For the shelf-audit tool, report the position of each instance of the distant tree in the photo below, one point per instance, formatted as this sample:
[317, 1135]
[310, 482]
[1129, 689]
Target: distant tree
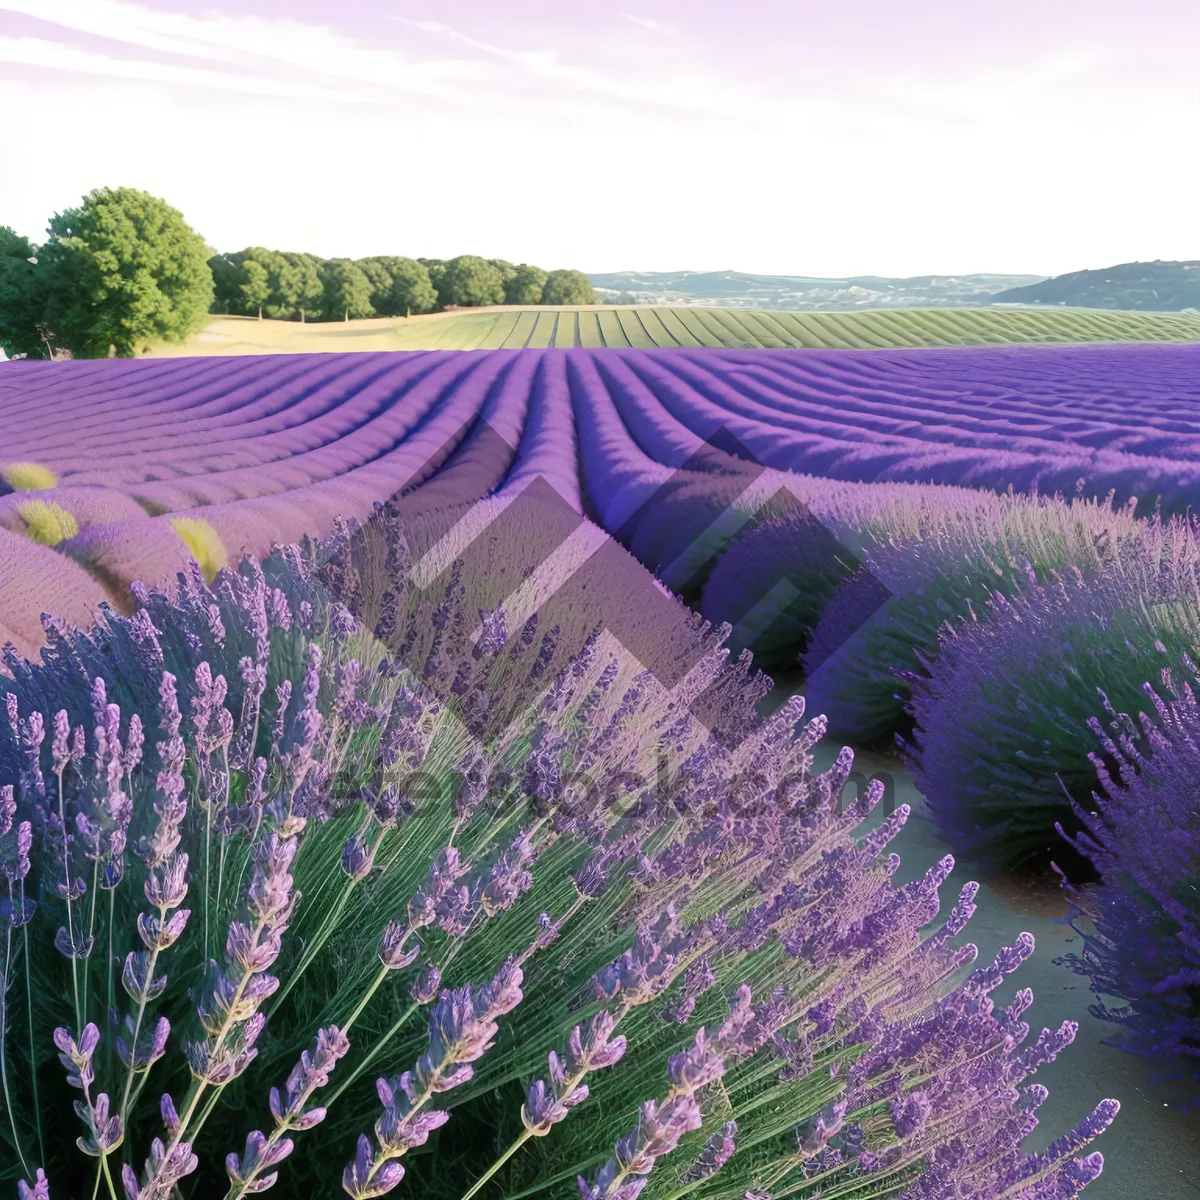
[21, 297]
[122, 268]
[254, 290]
[526, 285]
[399, 286]
[412, 288]
[378, 271]
[437, 271]
[507, 270]
[281, 296]
[347, 291]
[470, 281]
[303, 286]
[568, 287]
[227, 283]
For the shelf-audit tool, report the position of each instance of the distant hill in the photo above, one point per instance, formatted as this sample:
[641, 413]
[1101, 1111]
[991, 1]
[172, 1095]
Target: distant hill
[800, 293]
[1148, 287]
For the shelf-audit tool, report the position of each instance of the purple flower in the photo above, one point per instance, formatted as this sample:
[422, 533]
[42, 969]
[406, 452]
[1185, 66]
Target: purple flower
[462, 1026]
[77, 1056]
[358, 856]
[39, 1191]
[151, 1044]
[393, 952]
[308, 1075]
[259, 1156]
[364, 1179]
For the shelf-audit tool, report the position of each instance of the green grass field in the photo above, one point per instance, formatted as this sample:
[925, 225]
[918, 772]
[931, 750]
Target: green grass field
[511, 328]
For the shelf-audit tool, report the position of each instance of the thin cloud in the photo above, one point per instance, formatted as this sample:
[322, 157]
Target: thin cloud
[700, 95]
[264, 55]
[58, 56]
[659, 27]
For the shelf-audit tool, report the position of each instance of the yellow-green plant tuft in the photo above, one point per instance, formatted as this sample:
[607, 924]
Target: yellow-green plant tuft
[46, 522]
[28, 477]
[204, 543]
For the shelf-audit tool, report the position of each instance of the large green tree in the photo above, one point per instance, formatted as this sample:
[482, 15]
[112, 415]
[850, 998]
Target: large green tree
[347, 291]
[526, 285]
[568, 287]
[21, 297]
[121, 269]
[470, 281]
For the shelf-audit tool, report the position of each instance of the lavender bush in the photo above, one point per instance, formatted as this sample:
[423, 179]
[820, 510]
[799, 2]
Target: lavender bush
[1001, 714]
[287, 897]
[910, 584]
[1141, 923]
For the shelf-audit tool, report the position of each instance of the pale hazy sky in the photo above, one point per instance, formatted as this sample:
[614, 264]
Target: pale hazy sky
[824, 137]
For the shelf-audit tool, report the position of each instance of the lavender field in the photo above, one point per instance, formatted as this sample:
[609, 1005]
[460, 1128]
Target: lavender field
[243, 597]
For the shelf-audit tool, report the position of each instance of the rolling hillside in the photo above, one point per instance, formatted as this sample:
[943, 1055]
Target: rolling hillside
[1147, 287]
[647, 327]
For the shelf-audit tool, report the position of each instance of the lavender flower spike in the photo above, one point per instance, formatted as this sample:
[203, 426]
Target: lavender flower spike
[40, 1190]
[290, 1113]
[660, 1127]
[588, 1049]
[462, 1026]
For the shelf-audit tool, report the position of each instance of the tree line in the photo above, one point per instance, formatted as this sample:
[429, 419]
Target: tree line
[124, 268]
[291, 286]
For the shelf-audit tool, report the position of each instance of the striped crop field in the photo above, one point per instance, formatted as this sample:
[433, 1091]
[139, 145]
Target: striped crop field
[645, 327]
[131, 469]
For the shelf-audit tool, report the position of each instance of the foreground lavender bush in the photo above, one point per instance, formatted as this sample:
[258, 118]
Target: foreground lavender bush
[254, 861]
[1001, 714]
[1141, 923]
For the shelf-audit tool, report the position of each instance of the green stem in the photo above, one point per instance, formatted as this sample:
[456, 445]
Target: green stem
[108, 987]
[324, 931]
[366, 999]
[207, 857]
[237, 891]
[516, 1144]
[4, 985]
[37, 1108]
[358, 1071]
[112, 1191]
[224, 840]
[91, 934]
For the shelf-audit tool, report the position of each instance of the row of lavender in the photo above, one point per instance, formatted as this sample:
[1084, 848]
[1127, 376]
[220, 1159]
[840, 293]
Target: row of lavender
[1058, 599]
[253, 835]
